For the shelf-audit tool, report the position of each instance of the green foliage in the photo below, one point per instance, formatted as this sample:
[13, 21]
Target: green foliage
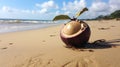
[61, 17]
[113, 15]
[80, 12]
[100, 17]
[66, 17]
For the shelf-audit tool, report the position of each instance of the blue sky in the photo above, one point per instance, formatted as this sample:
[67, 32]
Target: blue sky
[47, 9]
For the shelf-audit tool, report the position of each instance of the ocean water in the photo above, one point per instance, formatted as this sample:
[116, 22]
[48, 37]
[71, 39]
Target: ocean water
[7, 26]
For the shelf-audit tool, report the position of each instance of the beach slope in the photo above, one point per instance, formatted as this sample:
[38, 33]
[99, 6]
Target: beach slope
[44, 48]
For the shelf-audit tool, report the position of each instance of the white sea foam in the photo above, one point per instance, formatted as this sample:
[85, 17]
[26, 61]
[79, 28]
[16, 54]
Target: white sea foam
[21, 25]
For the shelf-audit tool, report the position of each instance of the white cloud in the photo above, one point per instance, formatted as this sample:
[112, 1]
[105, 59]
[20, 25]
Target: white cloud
[4, 8]
[70, 8]
[67, 12]
[7, 9]
[46, 7]
[33, 12]
[38, 5]
[25, 11]
[99, 7]
[76, 5]
[42, 11]
[48, 4]
[114, 2]
[114, 5]
[57, 12]
[51, 9]
[11, 12]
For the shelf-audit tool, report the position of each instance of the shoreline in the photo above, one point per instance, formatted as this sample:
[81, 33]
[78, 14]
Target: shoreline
[43, 47]
[27, 29]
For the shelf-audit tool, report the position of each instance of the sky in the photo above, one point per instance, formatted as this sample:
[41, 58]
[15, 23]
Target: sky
[48, 9]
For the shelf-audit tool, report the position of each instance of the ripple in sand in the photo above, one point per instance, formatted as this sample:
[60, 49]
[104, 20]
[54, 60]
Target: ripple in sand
[43, 41]
[81, 62]
[52, 35]
[4, 48]
[10, 43]
[103, 28]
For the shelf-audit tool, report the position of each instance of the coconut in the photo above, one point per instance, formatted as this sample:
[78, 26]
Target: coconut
[75, 33]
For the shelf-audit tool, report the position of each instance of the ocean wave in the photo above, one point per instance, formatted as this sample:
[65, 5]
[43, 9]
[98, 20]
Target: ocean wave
[10, 26]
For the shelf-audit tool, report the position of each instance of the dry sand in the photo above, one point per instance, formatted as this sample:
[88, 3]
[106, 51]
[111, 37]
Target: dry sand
[44, 48]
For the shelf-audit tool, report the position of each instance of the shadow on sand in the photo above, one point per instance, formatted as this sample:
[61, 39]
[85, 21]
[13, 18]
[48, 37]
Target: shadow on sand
[99, 44]
[102, 43]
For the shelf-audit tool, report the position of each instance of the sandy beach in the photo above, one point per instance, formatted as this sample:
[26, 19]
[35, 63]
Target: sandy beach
[44, 48]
